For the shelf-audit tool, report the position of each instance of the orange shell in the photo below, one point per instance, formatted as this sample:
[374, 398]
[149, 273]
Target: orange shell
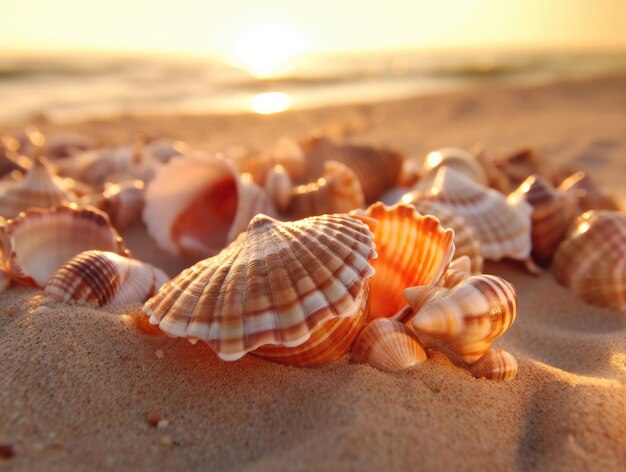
[495, 364]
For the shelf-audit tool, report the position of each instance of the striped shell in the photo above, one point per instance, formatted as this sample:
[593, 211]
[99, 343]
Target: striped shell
[495, 364]
[286, 287]
[592, 260]
[553, 212]
[104, 278]
[503, 229]
[39, 241]
[412, 250]
[123, 202]
[588, 195]
[468, 317]
[459, 159]
[465, 241]
[458, 270]
[196, 205]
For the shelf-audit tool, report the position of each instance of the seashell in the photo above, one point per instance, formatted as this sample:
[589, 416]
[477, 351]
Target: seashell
[412, 249]
[591, 262]
[39, 241]
[285, 152]
[495, 364]
[338, 191]
[38, 189]
[104, 278]
[377, 169]
[468, 317]
[123, 202]
[278, 186]
[66, 145]
[588, 195]
[553, 212]
[163, 149]
[503, 229]
[387, 345]
[465, 241]
[196, 205]
[458, 270]
[297, 290]
[459, 159]
[394, 195]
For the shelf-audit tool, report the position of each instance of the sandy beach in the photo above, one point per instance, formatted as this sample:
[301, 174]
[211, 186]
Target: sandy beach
[77, 384]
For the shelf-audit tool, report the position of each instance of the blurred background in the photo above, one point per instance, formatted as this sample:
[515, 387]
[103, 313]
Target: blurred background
[71, 59]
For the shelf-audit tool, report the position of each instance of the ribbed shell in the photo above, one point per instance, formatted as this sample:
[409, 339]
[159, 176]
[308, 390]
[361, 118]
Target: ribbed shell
[39, 241]
[459, 159]
[469, 317]
[503, 229]
[553, 213]
[465, 241]
[588, 195]
[104, 278]
[592, 260]
[275, 288]
[458, 270]
[495, 364]
[387, 345]
[412, 250]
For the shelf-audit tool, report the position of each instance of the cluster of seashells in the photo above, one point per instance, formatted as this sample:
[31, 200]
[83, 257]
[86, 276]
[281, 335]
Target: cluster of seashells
[290, 264]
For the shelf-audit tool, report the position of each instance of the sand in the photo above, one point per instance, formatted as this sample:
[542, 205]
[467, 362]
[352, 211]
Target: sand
[77, 384]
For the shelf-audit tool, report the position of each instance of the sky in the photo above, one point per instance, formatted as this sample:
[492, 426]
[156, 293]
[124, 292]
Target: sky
[239, 30]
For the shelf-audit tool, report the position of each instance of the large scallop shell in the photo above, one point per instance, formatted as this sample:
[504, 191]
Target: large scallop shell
[387, 345]
[412, 250]
[196, 205]
[553, 212]
[276, 288]
[592, 260]
[104, 278]
[39, 241]
[503, 229]
[459, 159]
[468, 317]
[588, 195]
[495, 364]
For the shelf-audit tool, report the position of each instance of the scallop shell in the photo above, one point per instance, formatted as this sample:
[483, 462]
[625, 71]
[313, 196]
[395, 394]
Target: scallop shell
[412, 250]
[196, 205]
[459, 159]
[387, 345]
[553, 212]
[123, 202]
[503, 229]
[38, 189]
[592, 260]
[588, 195]
[39, 241]
[495, 364]
[468, 317]
[276, 289]
[377, 169]
[104, 278]
[465, 241]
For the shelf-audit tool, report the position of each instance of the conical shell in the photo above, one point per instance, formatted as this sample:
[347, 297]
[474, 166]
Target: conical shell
[387, 345]
[39, 241]
[412, 250]
[465, 241]
[553, 213]
[503, 229]
[38, 189]
[275, 288]
[495, 364]
[459, 159]
[196, 205]
[458, 270]
[104, 278]
[592, 260]
[468, 317]
[588, 195]
[376, 168]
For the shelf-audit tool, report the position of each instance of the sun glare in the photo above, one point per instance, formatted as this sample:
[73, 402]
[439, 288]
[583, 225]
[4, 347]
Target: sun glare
[270, 102]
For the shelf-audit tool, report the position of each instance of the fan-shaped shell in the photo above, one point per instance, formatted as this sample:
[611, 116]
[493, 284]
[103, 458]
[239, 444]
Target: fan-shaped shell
[459, 159]
[588, 195]
[412, 250]
[465, 241]
[469, 317]
[196, 205]
[104, 278]
[387, 345]
[592, 260]
[280, 285]
[39, 241]
[495, 364]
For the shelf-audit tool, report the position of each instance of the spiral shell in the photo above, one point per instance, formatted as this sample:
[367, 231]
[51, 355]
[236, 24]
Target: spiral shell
[468, 317]
[495, 364]
[104, 278]
[387, 345]
[458, 270]
[588, 195]
[275, 288]
[459, 159]
[591, 262]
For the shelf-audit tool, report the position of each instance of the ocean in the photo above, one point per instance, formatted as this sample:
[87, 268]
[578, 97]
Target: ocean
[70, 87]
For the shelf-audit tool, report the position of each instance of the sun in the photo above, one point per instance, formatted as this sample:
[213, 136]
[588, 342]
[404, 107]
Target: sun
[267, 49]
